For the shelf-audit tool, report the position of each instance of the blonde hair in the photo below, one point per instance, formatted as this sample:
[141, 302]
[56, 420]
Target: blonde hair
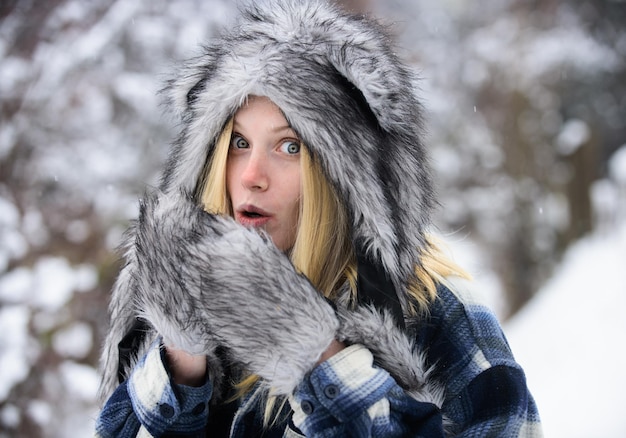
[323, 249]
[211, 190]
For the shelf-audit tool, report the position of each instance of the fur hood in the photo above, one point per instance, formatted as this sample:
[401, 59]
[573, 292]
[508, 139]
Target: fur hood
[351, 101]
[344, 92]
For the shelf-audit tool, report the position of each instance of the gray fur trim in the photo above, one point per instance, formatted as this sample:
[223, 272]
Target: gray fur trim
[392, 349]
[350, 99]
[122, 318]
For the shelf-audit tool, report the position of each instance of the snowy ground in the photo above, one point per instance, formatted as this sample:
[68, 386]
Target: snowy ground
[570, 340]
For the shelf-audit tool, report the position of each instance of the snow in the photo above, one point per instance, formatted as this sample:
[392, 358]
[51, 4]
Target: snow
[45, 288]
[77, 231]
[487, 287]
[48, 285]
[74, 341]
[573, 135]
[33, 228]
[570, 340]
[82, 381]
[13, 243]
[617, 166]
[10, 415]
[14, 360]
[567, 45]
[40, 411]
[7, 139]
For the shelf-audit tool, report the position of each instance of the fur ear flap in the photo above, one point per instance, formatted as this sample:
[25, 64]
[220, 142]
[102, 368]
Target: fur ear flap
[360, 50]
[181, 90]
[385, 83]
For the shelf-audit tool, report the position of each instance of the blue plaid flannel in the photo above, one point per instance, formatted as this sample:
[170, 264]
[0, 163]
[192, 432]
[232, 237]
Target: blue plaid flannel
[486, 392]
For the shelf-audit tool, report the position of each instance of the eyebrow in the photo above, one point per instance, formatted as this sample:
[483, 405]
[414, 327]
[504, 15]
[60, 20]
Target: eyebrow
[274, 130]
[282, 128]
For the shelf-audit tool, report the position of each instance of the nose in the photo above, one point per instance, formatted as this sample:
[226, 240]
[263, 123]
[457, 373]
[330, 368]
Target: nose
[255, 175]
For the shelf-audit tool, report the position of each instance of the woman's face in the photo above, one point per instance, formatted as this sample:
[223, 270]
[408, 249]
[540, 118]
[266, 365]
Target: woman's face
[263, 171]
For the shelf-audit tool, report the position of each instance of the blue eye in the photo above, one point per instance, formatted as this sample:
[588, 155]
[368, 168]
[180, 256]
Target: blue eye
[290, 147]
[238, 142]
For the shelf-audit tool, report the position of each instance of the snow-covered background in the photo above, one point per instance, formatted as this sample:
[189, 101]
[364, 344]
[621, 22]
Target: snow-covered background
[570, 337]
[570, 340]
[526, 112]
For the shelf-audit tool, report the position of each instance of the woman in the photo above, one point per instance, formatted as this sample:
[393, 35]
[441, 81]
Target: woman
[281, 282]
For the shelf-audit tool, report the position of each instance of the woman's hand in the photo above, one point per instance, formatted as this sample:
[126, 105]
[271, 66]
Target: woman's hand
[186, 369]
[334, 348]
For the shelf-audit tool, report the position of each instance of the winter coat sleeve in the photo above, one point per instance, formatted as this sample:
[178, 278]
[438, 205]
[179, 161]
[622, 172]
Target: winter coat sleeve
[150, 402]
[486, 389]
[496, 403]
[347, 395]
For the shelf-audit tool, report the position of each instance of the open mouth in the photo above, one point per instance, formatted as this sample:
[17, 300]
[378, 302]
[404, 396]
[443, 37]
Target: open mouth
[251, 214]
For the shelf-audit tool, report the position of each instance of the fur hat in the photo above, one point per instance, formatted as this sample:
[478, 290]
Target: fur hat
[343, 90]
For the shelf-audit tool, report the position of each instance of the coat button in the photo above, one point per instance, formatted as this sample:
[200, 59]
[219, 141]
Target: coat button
[166, 410]
[307, 407]
[198, 409]
[331, 391]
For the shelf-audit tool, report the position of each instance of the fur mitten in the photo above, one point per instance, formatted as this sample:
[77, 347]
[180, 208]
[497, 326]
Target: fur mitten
[204, 280]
